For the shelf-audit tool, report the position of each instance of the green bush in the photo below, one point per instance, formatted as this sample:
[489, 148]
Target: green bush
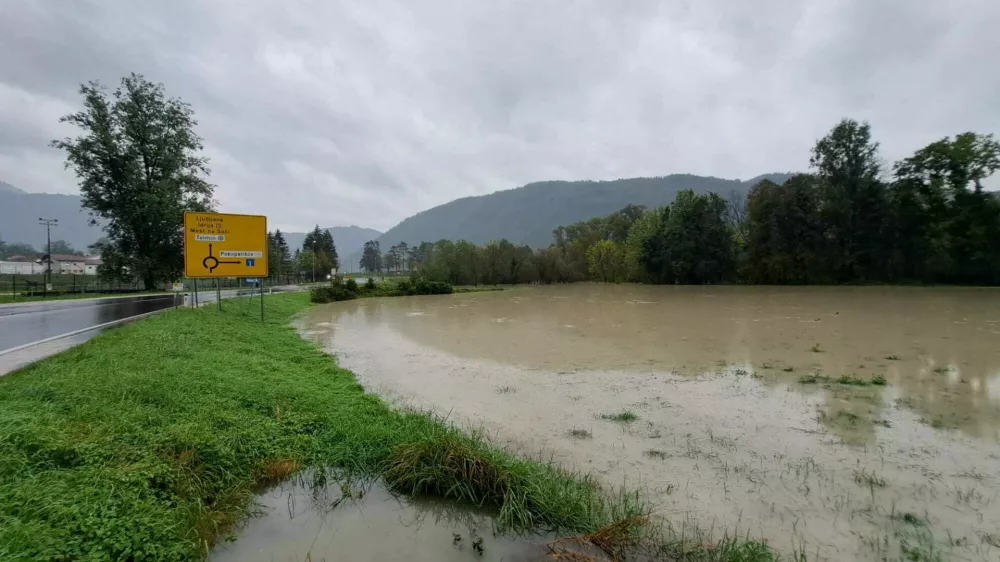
[421, 286]
[331, 293]
[347, 290]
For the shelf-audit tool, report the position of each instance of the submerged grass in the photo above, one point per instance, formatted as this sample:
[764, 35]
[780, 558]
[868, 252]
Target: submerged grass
[625, 416]
[854, 380]
[149, 442]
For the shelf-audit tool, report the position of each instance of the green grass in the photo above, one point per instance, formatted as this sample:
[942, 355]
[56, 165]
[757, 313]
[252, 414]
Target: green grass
[149, 442]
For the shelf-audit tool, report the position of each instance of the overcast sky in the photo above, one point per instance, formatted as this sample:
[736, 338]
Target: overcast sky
[366, 112]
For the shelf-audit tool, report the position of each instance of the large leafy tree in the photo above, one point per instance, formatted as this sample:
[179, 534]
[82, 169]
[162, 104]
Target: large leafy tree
[694, 244]
[139, 166]
[948, 227]
[606, 261]
[854, 200]
[371, 257]
[642, 231]
[785, 240]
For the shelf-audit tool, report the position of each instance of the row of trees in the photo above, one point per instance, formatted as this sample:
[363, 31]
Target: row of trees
[22, 249]
[313, 262]
[850, 220]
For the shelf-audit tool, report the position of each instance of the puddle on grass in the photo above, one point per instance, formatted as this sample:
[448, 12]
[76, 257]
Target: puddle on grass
[744, 422]
[301, 520]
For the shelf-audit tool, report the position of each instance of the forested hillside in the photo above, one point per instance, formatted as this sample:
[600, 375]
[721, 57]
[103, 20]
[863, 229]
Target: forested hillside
[928, 219]
[528, 214]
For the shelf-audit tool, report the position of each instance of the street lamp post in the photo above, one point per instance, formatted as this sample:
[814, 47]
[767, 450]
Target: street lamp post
[49, 223]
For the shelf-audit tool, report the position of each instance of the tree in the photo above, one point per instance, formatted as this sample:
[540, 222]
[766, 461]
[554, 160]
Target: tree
[277, 256]
[96, 248]
[371, 257]
[694, 244]
[320, 243]
[736, 216]
[947, 227]
[606, 261]
[306, 264]
[393, 259]
[139, 168]
[643, 230]
[19, 249]
[551, 267]
[62, 247]
[497, 257]
[413, 257]
[282, 256]
[854, 200]
[470, 263]
[785, 241]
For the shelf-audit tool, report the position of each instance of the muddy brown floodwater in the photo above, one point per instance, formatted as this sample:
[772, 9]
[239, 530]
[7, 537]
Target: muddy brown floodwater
[845, 423]
[304, 521]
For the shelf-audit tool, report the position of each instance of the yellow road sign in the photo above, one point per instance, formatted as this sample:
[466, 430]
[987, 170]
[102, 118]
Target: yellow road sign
[224, 245]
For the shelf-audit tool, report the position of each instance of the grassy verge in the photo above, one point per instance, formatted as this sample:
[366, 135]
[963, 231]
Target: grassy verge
[148, 442]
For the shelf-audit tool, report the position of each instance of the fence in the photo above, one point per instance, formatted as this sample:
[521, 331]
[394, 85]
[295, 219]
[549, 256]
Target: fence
[17, 285]
[14, 286]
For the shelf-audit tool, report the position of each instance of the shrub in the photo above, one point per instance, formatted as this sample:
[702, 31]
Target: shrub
[351, 285]
[331, 293]
[424, 287]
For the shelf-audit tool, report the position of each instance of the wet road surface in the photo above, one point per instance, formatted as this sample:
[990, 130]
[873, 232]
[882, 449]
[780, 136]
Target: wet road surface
[24, 324]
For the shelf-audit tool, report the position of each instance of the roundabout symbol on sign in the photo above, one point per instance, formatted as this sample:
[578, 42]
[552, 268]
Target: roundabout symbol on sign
[214, 261]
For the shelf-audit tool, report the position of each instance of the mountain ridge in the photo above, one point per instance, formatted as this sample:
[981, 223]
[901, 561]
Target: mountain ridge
[528, 214]
[20, 211]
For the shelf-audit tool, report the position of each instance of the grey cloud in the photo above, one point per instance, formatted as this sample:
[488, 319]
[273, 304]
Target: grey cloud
[366, 112]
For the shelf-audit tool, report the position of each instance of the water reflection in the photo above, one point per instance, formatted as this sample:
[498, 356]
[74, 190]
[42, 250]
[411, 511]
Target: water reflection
[21, 325]
[940, 348]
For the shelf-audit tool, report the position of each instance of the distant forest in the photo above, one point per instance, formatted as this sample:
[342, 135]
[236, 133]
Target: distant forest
[927, 220]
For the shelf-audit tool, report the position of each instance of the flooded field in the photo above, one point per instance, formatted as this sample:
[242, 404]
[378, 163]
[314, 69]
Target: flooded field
[302, 520]
[845, 423]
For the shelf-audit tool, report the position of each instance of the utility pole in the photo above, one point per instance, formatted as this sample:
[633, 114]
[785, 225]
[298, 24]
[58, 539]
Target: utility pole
[49, 223]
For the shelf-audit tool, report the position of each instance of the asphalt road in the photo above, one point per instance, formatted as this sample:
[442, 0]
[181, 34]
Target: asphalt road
[25, 324]
[31, 322]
